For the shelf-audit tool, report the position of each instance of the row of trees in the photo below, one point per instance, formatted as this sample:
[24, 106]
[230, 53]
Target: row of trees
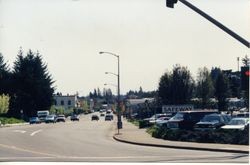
[28, 84]
[140, 93]
[178, 86]
[107, 93]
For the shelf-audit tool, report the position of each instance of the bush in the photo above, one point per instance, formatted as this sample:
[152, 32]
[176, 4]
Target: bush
[12, 120]
[134, 121]
[144, 124]
[217, 136]
[155, 131]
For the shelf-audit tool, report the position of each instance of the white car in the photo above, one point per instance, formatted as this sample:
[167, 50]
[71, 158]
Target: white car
[153, 118]
[162, 120]
[60, 118]
[237, 123]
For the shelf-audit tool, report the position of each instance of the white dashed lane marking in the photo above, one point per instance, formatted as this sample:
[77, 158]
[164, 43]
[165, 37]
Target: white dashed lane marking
[20, 131]
[35, 132]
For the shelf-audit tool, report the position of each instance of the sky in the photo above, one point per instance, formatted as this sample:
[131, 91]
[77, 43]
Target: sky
[148, 37]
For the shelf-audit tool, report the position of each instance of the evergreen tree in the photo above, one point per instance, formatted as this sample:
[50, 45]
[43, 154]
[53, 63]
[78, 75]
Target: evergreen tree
[214, 73]
[99, 95]
[140, 93]
[33, 89]
[5, 77]
[182, 85]
[176, 87]
[95, 93]
[222, 91]
[164, 89]
[205, 86]
[90, 95]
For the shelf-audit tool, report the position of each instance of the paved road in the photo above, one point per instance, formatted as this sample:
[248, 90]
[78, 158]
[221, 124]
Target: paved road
[91, 141]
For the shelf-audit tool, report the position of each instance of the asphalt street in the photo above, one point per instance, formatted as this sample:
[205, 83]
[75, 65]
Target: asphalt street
[92, 141]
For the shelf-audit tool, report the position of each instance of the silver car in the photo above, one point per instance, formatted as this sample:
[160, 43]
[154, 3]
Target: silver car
[50, 119]
[237, 123]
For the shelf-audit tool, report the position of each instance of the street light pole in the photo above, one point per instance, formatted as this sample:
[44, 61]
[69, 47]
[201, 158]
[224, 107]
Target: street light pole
[119, 119]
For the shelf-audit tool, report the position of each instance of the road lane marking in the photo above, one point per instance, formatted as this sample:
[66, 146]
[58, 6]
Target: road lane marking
[20, 131]
[35, 132]
[26, 150]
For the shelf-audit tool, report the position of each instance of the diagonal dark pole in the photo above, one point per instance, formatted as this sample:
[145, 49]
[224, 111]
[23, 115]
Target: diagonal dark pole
[221, 26]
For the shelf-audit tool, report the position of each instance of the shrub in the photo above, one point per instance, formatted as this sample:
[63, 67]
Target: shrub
[12, 120]
[216, 136]
[144, 124]
[134, 121]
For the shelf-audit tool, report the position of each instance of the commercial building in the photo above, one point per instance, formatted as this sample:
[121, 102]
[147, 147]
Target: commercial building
[66, 101]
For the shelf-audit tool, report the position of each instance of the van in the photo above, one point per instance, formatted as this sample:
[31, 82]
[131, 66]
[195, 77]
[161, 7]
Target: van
[187, 119]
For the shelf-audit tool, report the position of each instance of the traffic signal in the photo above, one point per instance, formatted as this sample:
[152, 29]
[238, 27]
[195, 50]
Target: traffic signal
[170, 3]
[245, 78]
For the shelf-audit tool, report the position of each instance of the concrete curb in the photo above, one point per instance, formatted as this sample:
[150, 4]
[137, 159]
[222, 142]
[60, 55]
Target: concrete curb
[181, 147]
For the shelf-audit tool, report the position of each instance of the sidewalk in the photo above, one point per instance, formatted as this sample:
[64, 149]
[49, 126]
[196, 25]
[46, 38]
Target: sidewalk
[133, 135]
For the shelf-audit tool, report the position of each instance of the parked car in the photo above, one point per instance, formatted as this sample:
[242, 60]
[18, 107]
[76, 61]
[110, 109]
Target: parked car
[94, 117]
[153, 118]
[243, 114]
[50, 119]
[212, 121]
[187, 119]
[74, 117]
[108, 117]
[162, 120]
[60, 118]
[35, 120]
[237, 123]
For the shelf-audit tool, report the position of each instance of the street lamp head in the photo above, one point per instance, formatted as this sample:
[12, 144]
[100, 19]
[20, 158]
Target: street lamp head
[106, 72]
[101, 52]
[105, 84]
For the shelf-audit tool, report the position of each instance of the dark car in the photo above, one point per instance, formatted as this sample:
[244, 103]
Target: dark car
[211, 122]
[94, 117]
[34, 120]
[187, 119]
[74, 118]
[109, 117]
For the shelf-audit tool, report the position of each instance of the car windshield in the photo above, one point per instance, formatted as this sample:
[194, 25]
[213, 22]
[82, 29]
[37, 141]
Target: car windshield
[50, 116]
[211, 119]
[237, 122]
[178, 116]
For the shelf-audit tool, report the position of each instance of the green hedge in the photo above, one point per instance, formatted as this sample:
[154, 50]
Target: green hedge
[140, 123]
[144, 124]
[6, 120]
[134, 121]
[216, 136]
